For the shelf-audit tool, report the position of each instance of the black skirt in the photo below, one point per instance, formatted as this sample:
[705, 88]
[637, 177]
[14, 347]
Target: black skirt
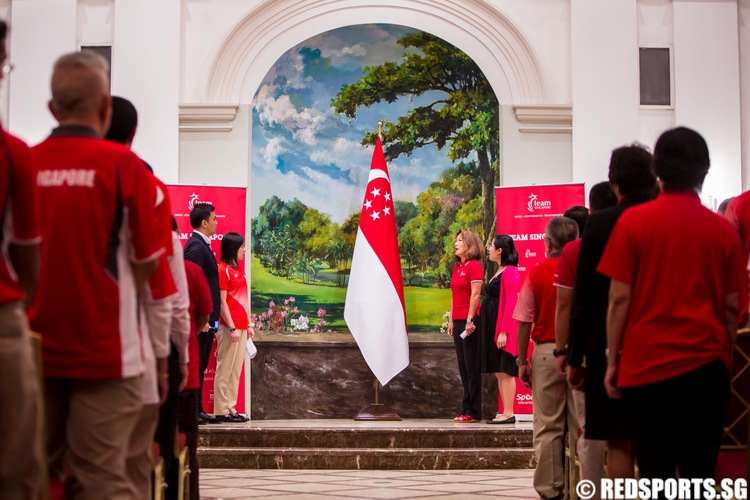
[492, 359]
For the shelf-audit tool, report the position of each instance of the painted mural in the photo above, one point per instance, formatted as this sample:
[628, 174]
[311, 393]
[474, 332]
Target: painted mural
[314, 127]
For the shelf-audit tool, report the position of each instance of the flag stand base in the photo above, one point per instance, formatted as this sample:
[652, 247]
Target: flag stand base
[377, 411]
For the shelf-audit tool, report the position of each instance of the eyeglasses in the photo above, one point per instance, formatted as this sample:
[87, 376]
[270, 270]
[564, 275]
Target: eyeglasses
[7, 68]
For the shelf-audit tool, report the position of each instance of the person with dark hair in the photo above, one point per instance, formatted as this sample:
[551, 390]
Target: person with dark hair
[20, 396]
[676, 269]
[156, 301]
[466, 286]
[234, 327]
[497, 340]
[632, 181]
[197, 249]
[553, 399]
[579, 214]
[601, 196]
[91, 342]
[722, 209]
[590, 453]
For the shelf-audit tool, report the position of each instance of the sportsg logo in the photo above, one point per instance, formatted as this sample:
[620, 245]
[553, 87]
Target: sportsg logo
[534, 204]
[529, 253]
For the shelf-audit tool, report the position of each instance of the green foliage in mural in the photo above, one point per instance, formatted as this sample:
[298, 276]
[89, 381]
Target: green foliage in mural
[462, 117]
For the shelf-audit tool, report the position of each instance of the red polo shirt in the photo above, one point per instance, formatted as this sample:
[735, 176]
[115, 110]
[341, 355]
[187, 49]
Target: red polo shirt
[565, 275]
[537, 301]
[681, 260]
[18, 195]
[464, 274]
[233, 280]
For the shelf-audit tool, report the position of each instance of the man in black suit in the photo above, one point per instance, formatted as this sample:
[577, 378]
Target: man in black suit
[634, 182]
[198, 250]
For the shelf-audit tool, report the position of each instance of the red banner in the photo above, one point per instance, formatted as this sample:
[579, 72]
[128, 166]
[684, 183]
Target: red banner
[523, 213]
[229, 203]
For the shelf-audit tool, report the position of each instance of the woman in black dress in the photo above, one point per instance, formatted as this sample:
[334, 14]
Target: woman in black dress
[497, 342]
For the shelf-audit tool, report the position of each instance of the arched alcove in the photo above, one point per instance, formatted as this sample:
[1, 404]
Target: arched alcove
[477, 28]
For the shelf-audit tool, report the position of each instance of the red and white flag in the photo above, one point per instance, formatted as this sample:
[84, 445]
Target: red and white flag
[374, 309]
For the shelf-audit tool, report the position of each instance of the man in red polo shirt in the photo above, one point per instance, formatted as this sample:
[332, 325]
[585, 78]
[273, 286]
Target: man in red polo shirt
[676, 272]
[20, 451]
[553, 399]
[100, 242]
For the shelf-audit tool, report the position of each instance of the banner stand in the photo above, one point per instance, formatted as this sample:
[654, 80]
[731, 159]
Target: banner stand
[377, 411]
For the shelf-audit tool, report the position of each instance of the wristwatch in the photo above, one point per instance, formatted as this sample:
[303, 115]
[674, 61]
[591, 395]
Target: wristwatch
[521, 362]
[561, 352]
[470, 320]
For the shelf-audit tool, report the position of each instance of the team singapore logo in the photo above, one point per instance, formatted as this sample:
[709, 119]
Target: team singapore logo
[194, 201]
[536, 204]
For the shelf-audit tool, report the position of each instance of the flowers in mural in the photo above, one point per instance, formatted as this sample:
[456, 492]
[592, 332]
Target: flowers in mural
[287, 318]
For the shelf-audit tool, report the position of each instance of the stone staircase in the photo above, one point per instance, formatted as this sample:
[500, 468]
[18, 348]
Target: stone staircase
[477, 446]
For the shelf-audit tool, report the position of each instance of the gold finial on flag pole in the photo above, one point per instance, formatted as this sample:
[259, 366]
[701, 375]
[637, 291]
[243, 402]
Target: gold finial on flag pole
[380, 129]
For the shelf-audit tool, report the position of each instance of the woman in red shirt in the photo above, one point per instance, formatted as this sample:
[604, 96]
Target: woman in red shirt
[466, 285]
[231, 339]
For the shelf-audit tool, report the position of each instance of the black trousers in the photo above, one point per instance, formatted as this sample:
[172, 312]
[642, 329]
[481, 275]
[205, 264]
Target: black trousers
[467, 352]
[678, 422]
[205, 344]
[187, 421]
[166, 432]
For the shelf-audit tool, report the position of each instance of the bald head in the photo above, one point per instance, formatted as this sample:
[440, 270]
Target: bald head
[80, 91]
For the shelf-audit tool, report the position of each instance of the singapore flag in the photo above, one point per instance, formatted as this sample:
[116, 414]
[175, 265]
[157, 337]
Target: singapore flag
[374, 309]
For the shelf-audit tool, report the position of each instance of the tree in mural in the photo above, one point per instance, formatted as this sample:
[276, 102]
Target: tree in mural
[463, 115]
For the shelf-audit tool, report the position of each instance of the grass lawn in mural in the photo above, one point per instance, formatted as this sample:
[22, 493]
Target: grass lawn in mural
[310, 299]
[314, 128]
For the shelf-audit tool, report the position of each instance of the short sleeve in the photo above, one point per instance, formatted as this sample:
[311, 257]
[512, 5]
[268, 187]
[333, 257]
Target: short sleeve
[565, 275]
[24, 207]
[526, 305]
[619, 260]
[140, 210]
[476, 273]
[223, 277]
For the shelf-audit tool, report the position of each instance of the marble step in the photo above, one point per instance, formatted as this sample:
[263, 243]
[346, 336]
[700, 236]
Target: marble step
[214, 436]
[366, 458]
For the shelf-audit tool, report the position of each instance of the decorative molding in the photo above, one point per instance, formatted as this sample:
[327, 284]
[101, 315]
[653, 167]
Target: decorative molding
[492, 39]
[207, 117]
[543, 118]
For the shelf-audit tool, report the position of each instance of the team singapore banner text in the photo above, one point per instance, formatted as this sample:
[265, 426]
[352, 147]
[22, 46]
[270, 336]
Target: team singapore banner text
[229, 203]
[523, 213]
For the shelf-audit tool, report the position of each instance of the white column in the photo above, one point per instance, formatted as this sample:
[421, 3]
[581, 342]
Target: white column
[707, 88]
[40, 32]
[605, 85]
[744, 25]
[146, 71]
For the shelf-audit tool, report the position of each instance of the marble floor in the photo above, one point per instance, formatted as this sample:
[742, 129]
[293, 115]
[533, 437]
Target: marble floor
[376, 484]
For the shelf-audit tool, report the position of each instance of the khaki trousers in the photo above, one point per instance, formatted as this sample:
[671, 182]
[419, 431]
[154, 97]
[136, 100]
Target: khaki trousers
[553, 406]
[89, 424]
[140, 461]
[20, 406]
[229, 358]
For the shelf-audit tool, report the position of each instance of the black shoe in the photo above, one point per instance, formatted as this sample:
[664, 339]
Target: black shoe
[239, 417]
[208, 418]
[201, 421]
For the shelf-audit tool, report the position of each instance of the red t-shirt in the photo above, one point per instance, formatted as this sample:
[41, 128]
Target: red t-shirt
[464, 274]
[233, 280]
[538, 286]
[565, 275]
[681, 260]
[161, 282]
[96, 219]
[200, 305]
[20, 225]
[738, 213]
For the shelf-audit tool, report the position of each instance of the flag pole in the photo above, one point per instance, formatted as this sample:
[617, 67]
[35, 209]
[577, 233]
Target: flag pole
[378, 411]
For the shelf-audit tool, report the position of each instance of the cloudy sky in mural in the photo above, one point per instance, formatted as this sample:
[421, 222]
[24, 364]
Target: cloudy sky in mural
[302, 149]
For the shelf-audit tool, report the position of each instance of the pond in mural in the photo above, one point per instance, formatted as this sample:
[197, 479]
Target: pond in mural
[314, 127]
